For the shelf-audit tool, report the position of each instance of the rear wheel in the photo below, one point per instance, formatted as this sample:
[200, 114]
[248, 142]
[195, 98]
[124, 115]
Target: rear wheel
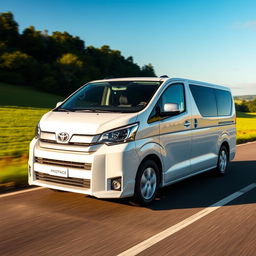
[147, 183]
[223, 161]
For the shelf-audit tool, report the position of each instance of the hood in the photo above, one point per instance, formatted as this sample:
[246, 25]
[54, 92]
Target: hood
[84, 123]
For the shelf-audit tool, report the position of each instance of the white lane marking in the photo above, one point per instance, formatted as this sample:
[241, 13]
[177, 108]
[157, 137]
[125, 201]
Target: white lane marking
[20, 192]
[175, 228]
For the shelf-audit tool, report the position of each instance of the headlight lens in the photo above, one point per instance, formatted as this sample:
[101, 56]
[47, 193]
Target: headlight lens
[121, 135]
[37, 131]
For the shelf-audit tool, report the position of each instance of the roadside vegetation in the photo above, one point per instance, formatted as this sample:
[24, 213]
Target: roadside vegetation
[20, 110]
[248, 105]
[15, 95]
[17, 126]
[246, 127]
[58, 62]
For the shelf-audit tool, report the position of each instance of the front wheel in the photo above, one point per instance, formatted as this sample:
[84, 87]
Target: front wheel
[147, 183]
[223, 161]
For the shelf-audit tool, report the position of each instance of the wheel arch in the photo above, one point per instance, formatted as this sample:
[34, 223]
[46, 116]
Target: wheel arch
[157, 160]
[226, 144]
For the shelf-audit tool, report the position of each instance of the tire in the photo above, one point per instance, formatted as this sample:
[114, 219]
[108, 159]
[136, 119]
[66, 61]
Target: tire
[223, 161]
[147, 183]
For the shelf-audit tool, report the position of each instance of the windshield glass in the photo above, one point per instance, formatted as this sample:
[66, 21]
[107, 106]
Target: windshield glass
[118, 96]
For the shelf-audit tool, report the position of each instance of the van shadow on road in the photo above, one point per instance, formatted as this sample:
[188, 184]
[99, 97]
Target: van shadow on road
[204, 189]
[207, 188]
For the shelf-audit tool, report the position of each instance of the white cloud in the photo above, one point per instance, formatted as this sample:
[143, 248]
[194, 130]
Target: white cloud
[244, 89]
[251, 24]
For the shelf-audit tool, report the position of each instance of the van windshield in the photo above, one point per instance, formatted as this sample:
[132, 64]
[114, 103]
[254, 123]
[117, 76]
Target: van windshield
[117, 96]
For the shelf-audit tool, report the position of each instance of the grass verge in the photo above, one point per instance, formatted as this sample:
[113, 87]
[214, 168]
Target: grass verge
[17, 128]
[246, 127]
[15, 95]
[13, 177]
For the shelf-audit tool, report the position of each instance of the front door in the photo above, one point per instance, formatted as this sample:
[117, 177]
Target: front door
[175, 134]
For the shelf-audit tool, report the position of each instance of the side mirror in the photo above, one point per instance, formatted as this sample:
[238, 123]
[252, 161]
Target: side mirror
[170, 109]
[58, 104]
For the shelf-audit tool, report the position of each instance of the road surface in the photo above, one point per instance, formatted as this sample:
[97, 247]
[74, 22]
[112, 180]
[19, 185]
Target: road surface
[44, 222]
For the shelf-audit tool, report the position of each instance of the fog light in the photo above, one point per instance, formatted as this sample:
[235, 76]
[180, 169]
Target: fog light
[116, 184]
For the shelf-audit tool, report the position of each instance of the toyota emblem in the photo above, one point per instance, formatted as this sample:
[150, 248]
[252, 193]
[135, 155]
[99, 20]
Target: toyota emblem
[63, 136]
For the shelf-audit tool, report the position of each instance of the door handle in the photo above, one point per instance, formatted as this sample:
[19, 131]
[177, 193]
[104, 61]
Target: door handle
[195, 123]
[187, 123]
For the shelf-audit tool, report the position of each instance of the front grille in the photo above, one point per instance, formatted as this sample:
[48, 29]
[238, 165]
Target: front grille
[85, 166]
[69, 143]
[85, 183]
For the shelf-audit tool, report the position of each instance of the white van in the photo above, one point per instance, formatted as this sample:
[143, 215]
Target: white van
[127, 137]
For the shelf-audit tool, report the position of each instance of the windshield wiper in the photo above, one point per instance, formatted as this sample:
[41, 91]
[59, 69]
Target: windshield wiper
[64, 110]
[94, 110]
[91, 110]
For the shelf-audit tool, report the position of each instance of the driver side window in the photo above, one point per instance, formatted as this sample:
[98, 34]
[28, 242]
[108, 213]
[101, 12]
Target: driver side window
[174, 94]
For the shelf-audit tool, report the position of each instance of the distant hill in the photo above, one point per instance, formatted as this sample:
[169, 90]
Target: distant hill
[14, 95]
[245, 97]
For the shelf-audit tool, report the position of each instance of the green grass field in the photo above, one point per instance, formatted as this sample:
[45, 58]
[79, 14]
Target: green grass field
[17, 126]
[14, 95]
[246, 127]
[20, 110]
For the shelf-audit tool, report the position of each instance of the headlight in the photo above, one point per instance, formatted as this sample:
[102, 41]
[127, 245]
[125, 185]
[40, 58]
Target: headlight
[121, 135]
[37, 131]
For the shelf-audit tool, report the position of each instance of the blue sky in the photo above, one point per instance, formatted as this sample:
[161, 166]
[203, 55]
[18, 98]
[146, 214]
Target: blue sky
[212, 41]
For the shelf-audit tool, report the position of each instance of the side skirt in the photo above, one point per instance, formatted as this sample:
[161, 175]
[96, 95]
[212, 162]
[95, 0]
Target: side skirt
[188, 176]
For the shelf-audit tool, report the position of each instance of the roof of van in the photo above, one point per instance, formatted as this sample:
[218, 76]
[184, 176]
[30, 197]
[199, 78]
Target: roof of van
[155, 79]
[163, 79]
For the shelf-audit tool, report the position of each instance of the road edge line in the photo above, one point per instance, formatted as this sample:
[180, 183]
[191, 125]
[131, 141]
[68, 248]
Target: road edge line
[140, 247]
[20, 192]
[246, 143]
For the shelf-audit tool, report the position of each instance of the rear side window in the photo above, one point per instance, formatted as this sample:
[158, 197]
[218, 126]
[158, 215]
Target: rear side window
[224, 102]
[205, 100]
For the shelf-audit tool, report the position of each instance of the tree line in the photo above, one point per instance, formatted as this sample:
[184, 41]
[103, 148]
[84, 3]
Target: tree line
[246, 106]
[58, 62]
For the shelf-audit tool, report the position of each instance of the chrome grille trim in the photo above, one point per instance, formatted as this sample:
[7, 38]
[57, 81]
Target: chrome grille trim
[48, 135]
[85, 166]
[77, 182]
[69, 143]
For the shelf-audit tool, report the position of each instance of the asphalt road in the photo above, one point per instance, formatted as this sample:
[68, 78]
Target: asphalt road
[44, 222]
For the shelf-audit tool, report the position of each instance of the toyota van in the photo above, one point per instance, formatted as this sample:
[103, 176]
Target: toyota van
[128, 137]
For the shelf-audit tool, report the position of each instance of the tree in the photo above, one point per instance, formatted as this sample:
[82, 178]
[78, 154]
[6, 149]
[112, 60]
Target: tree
[64, 42]
[20, 65]
[71, 60]
[58, 62]
[9, 30]
[148, 70]
[3, 47]
[251, 106]
[34, 43]
[70, 69]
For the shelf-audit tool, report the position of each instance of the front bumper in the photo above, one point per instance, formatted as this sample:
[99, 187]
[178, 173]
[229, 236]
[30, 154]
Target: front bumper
[103, 163]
